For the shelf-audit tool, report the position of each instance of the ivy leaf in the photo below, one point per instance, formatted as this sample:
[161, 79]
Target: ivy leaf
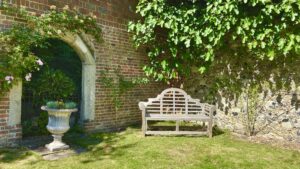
[198, 40]
[202, 69]
[271, 54]
[187, 43]
[164, 64]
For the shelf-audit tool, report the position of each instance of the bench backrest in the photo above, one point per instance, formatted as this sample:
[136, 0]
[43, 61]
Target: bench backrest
[175, 101]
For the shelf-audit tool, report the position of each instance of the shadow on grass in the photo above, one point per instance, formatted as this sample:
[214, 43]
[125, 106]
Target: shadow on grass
[98, 146]
[217, 131]
[184, 126]
[102, 145]
[11, 155]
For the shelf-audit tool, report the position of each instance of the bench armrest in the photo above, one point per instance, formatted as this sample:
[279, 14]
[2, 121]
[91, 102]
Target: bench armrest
[212, 108]
[142, 105]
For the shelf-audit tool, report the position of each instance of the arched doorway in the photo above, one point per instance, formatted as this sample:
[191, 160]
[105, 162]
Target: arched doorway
[58, 78]
[87, 83]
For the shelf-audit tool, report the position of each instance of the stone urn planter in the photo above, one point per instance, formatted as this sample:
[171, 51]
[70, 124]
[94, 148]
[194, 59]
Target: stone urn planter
[58, 124]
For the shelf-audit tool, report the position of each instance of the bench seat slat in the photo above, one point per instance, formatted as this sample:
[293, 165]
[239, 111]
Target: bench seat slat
[178, 109]
[168, 104]
[176, 117]
[176, 133]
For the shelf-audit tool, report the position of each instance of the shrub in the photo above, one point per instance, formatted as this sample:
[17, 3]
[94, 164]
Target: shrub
[17, 61]
[52, 85]
[36, 126]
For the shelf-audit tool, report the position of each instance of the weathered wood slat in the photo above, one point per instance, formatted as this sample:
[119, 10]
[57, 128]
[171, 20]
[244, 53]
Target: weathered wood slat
[171, 97]
[176, 133]
[190, 111]
[174, 93]
[175, 117]
[179, 107]
[174, 101]
[176, 106]
[179, 102]
[168, 104]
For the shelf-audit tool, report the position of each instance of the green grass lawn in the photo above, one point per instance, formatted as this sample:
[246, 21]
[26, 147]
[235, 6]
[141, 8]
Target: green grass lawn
[130, 150]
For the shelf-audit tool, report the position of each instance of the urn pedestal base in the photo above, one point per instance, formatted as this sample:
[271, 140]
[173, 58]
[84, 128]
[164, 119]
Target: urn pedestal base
[57, 144]
[58, 124]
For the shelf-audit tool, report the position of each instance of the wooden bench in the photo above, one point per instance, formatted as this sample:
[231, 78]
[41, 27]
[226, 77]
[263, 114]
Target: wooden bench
[174, 104]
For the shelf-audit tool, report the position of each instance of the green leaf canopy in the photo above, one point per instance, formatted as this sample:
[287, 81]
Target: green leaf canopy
[183, 35]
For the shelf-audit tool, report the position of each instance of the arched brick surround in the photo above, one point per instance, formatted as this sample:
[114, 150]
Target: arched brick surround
[88, 83]
[88, 75]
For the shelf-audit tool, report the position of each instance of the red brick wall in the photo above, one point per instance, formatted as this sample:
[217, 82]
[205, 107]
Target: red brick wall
[116, 52]
[9, 135]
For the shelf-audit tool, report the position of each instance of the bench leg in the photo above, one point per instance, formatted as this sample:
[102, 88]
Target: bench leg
[209, 129]
[144, 128]
[144, 124]
[177, 125]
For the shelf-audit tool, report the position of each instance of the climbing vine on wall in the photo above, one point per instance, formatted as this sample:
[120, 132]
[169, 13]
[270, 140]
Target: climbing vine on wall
[185, 35]
[17, 62]
[119, 85]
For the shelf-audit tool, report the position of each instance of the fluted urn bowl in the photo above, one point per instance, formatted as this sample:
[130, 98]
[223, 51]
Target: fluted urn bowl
[58, 125]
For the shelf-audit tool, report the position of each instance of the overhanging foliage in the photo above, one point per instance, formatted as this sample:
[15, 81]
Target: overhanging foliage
[17, 61]
[184, 35]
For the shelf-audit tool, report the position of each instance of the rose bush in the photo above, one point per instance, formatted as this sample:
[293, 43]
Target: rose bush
[17, 61]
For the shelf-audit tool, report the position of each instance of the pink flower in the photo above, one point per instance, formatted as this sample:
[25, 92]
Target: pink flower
[53, 7]
[39, 62]
[66, 7]
[9, 79]
[28, 77]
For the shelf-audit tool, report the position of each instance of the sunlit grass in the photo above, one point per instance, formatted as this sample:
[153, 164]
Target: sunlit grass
[130, 150]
